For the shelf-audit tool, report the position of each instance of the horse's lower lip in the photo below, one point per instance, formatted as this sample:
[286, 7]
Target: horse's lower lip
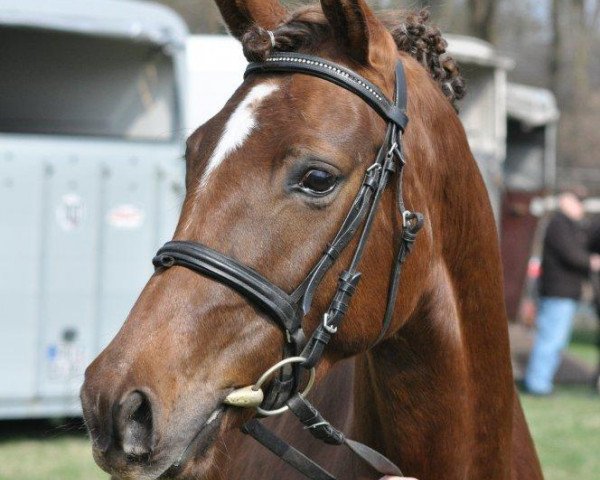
[201, 440]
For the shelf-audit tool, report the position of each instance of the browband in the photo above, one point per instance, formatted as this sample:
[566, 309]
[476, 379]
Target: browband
[341, 76]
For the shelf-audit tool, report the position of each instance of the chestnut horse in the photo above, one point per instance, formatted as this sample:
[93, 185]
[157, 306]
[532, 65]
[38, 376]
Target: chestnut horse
[269, 180]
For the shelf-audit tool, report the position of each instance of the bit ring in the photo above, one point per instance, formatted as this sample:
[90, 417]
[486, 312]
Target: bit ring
[265, 376]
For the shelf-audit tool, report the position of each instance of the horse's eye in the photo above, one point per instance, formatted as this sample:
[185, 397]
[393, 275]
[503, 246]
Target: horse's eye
[318, 181]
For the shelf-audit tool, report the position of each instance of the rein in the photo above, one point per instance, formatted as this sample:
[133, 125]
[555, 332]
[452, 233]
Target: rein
[288, 310]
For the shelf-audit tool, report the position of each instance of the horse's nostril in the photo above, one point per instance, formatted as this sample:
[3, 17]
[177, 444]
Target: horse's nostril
[135, 425]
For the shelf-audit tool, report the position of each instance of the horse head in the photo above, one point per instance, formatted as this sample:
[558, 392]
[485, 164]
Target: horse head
[269, 181]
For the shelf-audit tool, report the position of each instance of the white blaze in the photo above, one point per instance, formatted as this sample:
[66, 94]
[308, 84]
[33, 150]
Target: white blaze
[238, 128]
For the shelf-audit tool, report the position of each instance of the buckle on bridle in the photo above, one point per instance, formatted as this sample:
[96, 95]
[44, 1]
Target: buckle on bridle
[375, 166]
[407, 217]
[393, 149]
[329, 328]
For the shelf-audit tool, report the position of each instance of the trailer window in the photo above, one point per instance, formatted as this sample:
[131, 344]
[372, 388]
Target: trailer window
[72, 84]
[525, 157]
[478, 110]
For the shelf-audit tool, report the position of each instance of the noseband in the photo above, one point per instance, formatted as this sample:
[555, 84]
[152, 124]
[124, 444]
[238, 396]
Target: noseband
[288, 310]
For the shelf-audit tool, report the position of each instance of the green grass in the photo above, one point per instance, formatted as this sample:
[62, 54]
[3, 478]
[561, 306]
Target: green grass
[39, 451]
[566, 431]
[583, 346]
[565, 427]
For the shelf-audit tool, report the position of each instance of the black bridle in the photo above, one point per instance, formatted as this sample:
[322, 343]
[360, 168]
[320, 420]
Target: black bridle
[288, 310]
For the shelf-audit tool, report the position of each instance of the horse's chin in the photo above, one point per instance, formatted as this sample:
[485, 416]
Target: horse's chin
[199, 456]
[184, 459]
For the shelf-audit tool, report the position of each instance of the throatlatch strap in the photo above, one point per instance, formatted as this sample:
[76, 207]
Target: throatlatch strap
[409, 236]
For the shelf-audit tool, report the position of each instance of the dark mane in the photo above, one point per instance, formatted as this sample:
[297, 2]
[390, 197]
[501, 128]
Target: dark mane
[307, 29]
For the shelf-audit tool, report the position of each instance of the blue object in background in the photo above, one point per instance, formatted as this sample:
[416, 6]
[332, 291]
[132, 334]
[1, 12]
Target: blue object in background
[554, 324]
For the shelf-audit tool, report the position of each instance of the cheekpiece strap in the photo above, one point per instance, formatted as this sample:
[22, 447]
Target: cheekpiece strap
[289, 62]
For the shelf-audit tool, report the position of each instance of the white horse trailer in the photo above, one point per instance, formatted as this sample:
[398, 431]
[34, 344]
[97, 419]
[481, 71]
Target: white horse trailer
[532, 139]
[483, 110]
[91, 179]
[215, 68]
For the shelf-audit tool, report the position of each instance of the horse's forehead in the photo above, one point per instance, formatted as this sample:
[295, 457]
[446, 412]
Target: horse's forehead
[320, 97]
[239, 126]
[306, 103]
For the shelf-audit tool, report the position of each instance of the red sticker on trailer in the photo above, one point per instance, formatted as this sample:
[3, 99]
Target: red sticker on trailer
[126, 216]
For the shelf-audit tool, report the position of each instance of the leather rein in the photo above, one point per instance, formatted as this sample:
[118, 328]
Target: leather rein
[288, 310]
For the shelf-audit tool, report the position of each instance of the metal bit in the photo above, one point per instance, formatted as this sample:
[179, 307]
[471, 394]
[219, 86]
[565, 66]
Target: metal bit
[246, 397]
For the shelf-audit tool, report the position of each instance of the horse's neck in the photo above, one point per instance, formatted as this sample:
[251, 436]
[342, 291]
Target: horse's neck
[432, 399]
[437, 397]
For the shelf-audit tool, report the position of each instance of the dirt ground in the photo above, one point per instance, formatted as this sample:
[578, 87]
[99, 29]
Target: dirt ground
[572, 371]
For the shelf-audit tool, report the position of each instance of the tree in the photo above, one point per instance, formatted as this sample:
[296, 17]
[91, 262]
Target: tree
[555, 58]
[481, 15]
[200, 16]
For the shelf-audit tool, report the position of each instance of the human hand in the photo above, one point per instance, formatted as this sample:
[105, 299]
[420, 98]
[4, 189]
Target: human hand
[398, 478]
[595, 262]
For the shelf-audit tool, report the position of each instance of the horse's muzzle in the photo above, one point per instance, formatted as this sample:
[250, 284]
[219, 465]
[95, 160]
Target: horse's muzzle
[122, 431]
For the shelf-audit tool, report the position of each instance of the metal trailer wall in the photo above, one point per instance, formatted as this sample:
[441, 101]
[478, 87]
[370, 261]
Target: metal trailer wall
[91, 180]
[80, 223]
[483, 110]
[215, 69]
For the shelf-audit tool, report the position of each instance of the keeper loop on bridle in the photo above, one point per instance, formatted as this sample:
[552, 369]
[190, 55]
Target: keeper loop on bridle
[330, 329]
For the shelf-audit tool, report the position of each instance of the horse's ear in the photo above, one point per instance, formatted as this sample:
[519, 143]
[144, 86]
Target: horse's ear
[239, 15]
[359, 30]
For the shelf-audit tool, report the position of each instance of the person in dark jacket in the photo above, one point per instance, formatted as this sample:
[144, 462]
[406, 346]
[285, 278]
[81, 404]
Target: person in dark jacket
[594, 247]
[594, 243]
[566, 263]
